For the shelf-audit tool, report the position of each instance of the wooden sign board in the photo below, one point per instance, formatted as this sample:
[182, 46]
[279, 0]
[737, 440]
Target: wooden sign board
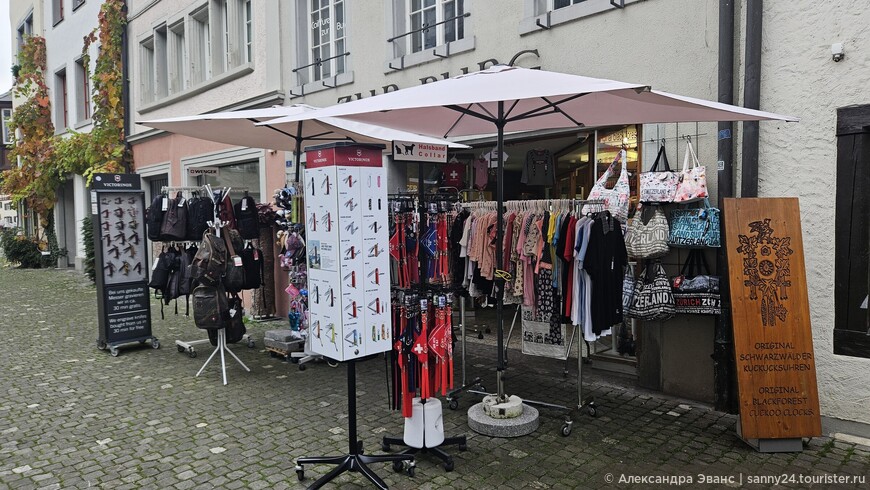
[773, 339]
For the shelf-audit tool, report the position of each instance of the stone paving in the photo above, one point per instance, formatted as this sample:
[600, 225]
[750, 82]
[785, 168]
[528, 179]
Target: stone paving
[75, 417]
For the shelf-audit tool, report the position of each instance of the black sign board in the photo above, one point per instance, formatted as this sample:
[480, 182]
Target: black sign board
[121, 260]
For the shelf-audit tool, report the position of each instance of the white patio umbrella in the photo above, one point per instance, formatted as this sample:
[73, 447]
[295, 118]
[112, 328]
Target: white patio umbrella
[507, 99]
[238, 128]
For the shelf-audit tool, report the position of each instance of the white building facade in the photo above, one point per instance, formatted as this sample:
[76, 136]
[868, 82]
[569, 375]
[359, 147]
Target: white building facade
[321, 52]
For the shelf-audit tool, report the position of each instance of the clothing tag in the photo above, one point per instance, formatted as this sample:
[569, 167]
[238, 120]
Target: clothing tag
[611, 264]
[232, 312]
[237, 261]
[244, 204]
[165, 203]
[154, 266]
[256, 254]
[181, 202]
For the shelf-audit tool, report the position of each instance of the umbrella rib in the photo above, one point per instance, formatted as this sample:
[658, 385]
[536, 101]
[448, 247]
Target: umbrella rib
[511, 108]
[469, 112]
[559, 109]
[485, 110]
[285, 133]
[549, 105]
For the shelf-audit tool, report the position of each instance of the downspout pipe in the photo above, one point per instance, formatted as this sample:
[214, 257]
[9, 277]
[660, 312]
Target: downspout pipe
[125, 91]
[751, 98]
[724, 374]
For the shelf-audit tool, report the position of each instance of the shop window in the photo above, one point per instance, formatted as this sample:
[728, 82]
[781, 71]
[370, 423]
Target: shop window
[7, 130]
[238, 176]
[425, 30]
[177, 58]
[62, 100]
[83, 91]
[56, 11]
[852, 234]
[608, 145]
[146, 70]
[200, 47]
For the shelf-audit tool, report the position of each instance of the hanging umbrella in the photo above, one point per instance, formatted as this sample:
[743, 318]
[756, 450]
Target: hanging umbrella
[237, 128]
[506, 99]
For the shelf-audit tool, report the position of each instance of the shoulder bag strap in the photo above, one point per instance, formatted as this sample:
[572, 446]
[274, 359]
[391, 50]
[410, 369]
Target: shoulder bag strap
[662, 155]
[229, 242]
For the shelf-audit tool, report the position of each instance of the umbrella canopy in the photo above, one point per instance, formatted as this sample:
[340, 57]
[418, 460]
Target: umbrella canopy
[532, 99]
[507, 99]
[237, 128]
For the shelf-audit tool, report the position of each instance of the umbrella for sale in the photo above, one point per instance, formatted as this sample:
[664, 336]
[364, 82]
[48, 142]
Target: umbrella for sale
[238, 128]
[507, 99]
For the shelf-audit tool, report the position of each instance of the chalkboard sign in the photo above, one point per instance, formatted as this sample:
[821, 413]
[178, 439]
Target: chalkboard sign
[121, 260]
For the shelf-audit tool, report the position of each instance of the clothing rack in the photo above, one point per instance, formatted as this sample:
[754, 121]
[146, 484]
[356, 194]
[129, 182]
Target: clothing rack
[573, 205]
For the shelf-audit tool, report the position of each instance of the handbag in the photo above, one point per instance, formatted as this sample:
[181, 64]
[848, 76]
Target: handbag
[659, 185]
[695, 227]
[693, 180]
[648, 239]
[653, 297]
[616, 199]
[628, 288]
[696, 292]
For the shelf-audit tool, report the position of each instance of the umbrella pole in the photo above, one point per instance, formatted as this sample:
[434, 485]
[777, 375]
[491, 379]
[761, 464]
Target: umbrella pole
[499, 249]
[298, 151]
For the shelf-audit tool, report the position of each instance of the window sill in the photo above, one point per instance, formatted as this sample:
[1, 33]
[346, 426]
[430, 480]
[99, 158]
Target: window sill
[225, 77]
[76, 7]
[57, 23]
[83, 123]
[61, 131]
[564, 15]
[318, 86]
[428, 55]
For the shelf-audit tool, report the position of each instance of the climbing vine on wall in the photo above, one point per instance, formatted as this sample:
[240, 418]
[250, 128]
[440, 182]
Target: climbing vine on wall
[36, 178]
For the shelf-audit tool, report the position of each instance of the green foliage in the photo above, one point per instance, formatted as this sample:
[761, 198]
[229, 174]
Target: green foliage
[20, 249]
[88, 237]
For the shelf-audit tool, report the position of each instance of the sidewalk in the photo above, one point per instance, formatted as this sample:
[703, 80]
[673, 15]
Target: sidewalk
[75, 417]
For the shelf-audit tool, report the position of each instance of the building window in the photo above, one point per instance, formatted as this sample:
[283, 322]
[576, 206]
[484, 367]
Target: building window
[83, 91]
[540, 15]
[852, 234]
[78, 3]
[62, 115]
[200, 48]
[435, 22]
[161, 62]
[146, 70]
[56, 11]
[177, 58]
[25, 30]
[230, 23]
[321, 40]
[249, 31]
[7, 130]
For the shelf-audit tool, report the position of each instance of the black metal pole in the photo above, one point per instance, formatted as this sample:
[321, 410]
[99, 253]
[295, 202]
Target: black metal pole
[353, 446]
[723, 343]
[751, 98]
[125, 94]
[298, 153]
[499, 249]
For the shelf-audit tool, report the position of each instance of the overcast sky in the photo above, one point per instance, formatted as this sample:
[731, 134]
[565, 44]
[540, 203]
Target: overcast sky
[5, 48]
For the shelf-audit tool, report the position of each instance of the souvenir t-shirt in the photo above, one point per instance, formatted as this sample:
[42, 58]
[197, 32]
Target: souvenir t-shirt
[539, 168]
[454, 175]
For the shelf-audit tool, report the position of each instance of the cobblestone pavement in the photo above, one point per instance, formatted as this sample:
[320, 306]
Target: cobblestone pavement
[75, 417]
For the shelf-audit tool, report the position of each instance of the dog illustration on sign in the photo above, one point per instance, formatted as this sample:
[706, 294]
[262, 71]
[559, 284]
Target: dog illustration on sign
[408, 149]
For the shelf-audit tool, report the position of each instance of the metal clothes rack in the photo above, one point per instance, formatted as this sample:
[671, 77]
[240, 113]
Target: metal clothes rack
[573, 205]
[188, 346]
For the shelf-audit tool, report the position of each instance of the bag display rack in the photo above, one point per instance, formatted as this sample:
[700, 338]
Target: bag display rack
[222, 348]
[588, 403]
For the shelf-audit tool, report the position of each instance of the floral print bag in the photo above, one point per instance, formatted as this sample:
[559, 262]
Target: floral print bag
[693, 179]
[616, 199]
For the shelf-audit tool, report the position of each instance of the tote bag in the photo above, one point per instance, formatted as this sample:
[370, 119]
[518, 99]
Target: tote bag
[648, 240]
[628, 288]
[696, 292]
[659, 185]
[693, 179]
[698, 227]
[616, 199]
[653, 297]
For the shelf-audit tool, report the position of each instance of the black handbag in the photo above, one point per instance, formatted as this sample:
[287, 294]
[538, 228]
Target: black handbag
[696, 292]
[653, 298]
